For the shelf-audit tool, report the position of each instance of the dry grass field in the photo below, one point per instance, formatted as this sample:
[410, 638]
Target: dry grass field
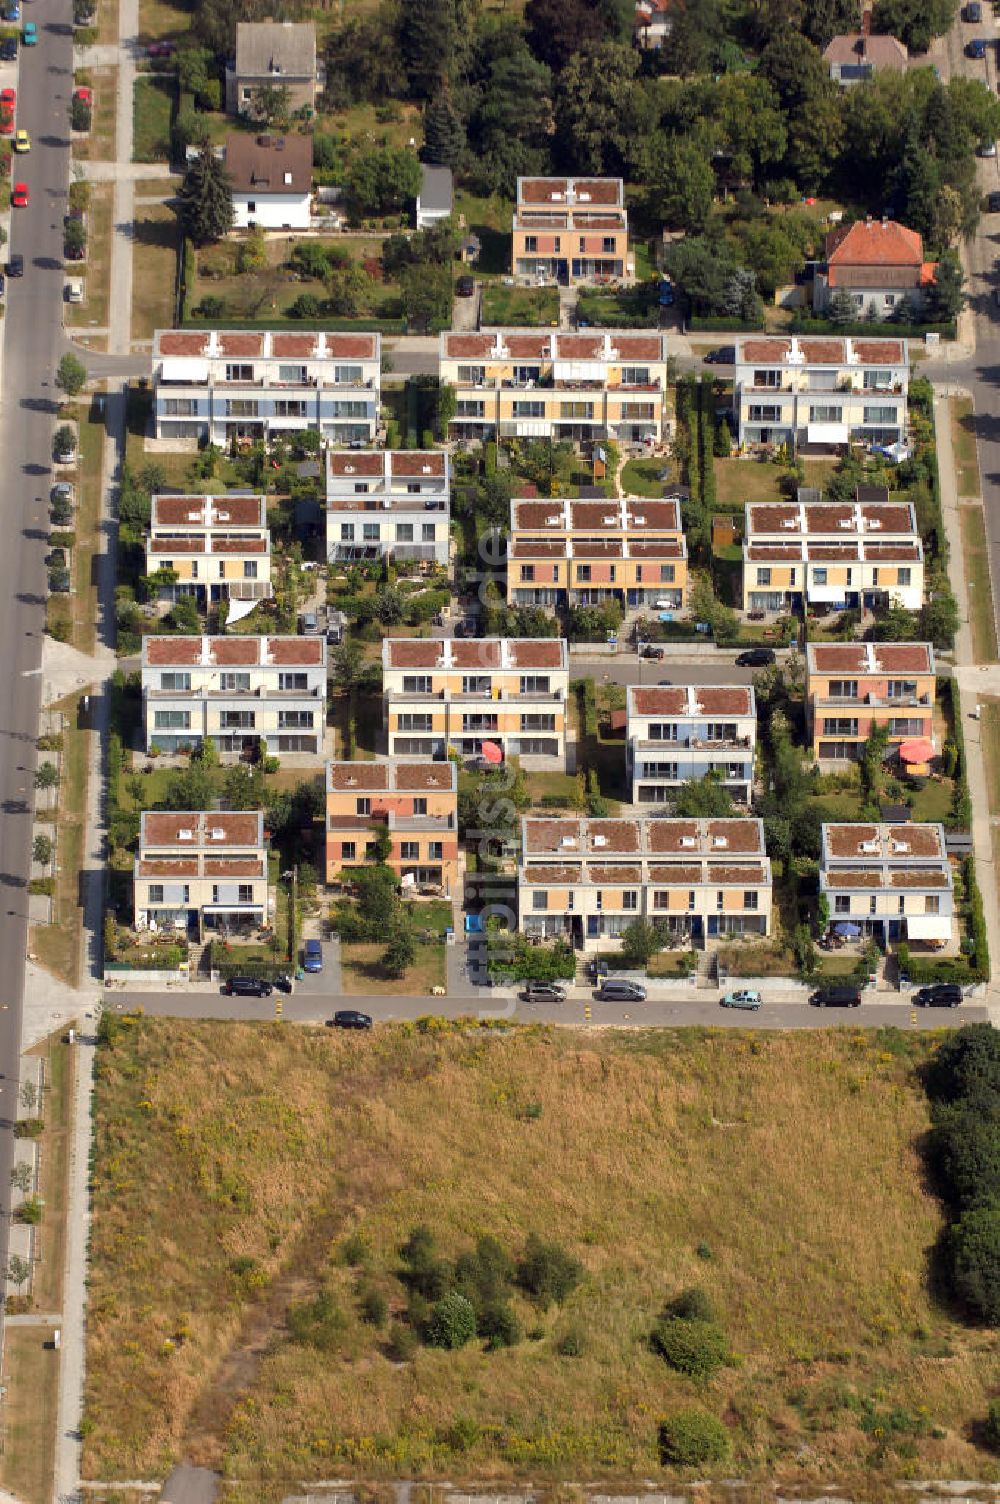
[780, 1173]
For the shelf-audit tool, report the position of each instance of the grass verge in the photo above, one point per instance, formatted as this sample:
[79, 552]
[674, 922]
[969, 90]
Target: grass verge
[47, 1277]
[153, 107]
[154, 275]
[31, 1377]
[56, 946]
[233, 1161]
[94, 311]
[963, 443]
[99, 144]
[979, 585]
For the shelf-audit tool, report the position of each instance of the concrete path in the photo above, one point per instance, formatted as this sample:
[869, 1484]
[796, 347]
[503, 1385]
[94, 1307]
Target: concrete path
[133, 172]
[124, 175]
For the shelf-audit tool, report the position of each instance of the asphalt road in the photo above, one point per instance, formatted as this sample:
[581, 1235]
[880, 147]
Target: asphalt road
[315, 1008]
[32, 343]
[628, 668]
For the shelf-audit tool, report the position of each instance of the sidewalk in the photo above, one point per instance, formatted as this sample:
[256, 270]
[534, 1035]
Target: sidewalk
[968, 675]
[123, 213]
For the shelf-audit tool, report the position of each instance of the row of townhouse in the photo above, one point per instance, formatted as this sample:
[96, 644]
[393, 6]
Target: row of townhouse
[236, 692]
[215, 547]
[488, 696]
[855, 688]
[546, 384]
[217, 386]
[394, 502]
[893, 882]
[570, 230]
[415, 803]
[832, 554]
[587, 552]
[199, 871]
[586, 880]
[678, 734]
[820, 393]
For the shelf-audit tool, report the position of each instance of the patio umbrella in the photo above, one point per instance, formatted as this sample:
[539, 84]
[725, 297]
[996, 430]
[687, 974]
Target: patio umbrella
[492, 752]
[849, 930]
[919, 749]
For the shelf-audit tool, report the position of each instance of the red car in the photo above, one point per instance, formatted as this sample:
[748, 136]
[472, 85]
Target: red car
[84, 95]
[19, 197]
[8, 104]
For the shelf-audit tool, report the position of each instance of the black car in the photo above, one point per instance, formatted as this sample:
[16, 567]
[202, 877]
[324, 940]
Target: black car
[544, 992]
[349, 1018]
[939, 995]
[993, 203]
[836, 997]
[755, 658]
[15, 266]
[8, 50]
[247, 987]
[465, 287]
[973, 12]
[725, 355]
[650, 650]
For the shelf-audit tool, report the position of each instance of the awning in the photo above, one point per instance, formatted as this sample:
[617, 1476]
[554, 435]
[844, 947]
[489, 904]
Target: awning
[928, 927]
[848, 929]
[826, 433]
[184, 368]
[492, 752]
[917, 749]
[524, 429]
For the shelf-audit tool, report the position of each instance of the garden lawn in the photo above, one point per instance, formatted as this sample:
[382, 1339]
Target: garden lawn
[154, 274]
[362, 970]
[154, 100]
[232, 1161]
[645, 477]
[517, 306]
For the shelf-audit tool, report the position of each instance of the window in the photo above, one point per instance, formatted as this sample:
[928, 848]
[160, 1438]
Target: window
[435, 851]
[527, 573]
[539, 901]
[404, 532]
[902, 689]
[245, 892]
[249, 569]
[371, 532]
[416, 684]
[414, 723]
[295, 720]
[826, 414]
[180, 407]
[576, 409]
[348, 375]
[880, 415]
[347, 850]
[608, 245]
[350, 409]
[237, 720]
[413, 488]
[667, 574]
[639, 412]
[876, 380]
[840, 726]
[428, 532]
[600, 900]
[292, 375]
[906, 725]
[690, 899]
[764, 412]
[470, 409]
[635, 376]
[534, 684]
[234, 683]
[289, 407]
[903, 576]
[362, 806]
[471, 375]
[720, 900]
[763, 577]
[479, 722]
[292, 681]
[172, 720]
[658, 770]
[409, 851]
[750, 899]
[630, 899]
[583, 244]
[663, 731]
[252, 206]
[819, 576]
[420, 806]
[932, 903]
[842, 904]
[583, 573]
[156, 893]
[238, 372]
[557, 244]
[720, 731]
[524, 374]
[531, 245]
[900, 906]
[843, 689]
[873, 905]
[890, 300]
[538, 723]
[767, 378]
[241, 407]
[347, 532]
[477, 684]
[175, 681]
[525, 409]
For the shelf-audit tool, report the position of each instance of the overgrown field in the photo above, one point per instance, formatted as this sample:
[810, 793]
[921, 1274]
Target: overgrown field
[253, 1187]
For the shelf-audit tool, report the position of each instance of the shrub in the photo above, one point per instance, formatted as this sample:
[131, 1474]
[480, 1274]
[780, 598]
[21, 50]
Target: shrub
[461, 1435]
[967, 1065]
[452, 1322]
[316, 1323]
[991, 1426]
[402, 1343]
[30, 1211]
[965, 1146]
[570, 1344]
[425, 1273]
[696, 1348]
[691, 1304]
[498, 1324]
[690, 1438]
[354, 1250]
[547, 1272]
[484, 1276]
[974, 1245]
[373, 1306]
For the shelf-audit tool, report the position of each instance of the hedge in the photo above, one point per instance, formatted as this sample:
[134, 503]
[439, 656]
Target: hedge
[345, 326]
[698, 323]
[876, 331]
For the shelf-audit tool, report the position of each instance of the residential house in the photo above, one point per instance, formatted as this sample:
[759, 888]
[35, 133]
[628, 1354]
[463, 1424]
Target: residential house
[240, 692]
[586, 880]
[856, 56]
[478, 697]
[201, 870]
[654, 22]
[545, 384]
[878, 263]
[820, 394]
[680, 733]
[855, 688]
[577, 552]
[832, 554]
[228, 387]
[217, 547]
[436, 198]
[570, 230]
[271, 179]
[272, 55]
[891, 881]
[392, 503]
[415, 803]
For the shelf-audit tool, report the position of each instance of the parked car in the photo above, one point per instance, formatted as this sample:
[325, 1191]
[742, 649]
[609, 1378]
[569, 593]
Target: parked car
[617, 990]
[247, 987]
[543, 992]
[666, 293]
[29, 35]
[22, 141]
[977, 47]
[650, 650]
[161, 49]
[349, 1018]
[59, 581]
[939, 995]
[986, 149]
[744, 998]
[20, 196]
[8, 50]
[62, 491]
[465, 287]
[725, 355]
[836, 997]
[973, 12]
[56, 558]
[312, 956]
[12, 11]
[84, 95]
[755, 658]
[596, 969]
[15, 266]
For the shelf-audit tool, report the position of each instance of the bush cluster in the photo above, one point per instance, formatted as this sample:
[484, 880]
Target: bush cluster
[691, 1438]
[963, 1082]
[687, 1336]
